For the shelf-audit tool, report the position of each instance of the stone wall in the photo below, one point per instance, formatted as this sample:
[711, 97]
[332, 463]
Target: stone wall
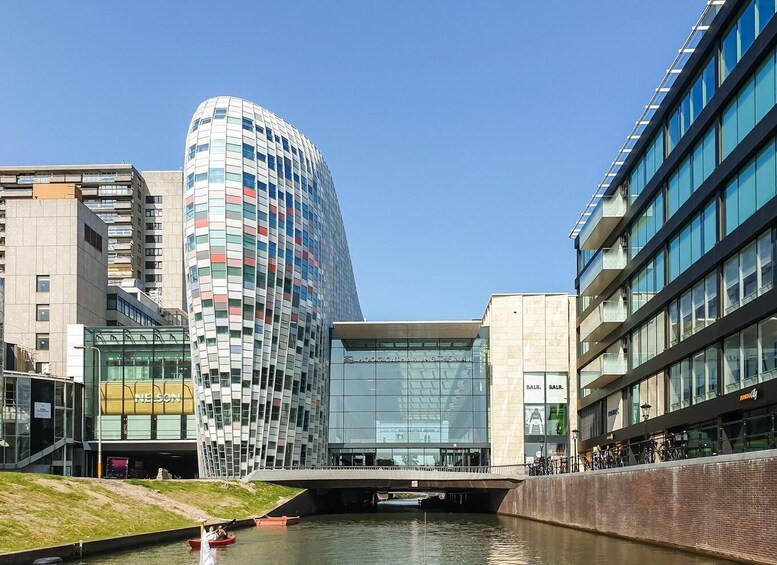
[725, 507]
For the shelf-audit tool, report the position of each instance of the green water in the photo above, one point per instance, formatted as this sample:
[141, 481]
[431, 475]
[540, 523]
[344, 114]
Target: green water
[404, 538]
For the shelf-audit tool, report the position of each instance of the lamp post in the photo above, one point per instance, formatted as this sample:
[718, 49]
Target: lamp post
[99, 407]
[574, 439]
[645, 415]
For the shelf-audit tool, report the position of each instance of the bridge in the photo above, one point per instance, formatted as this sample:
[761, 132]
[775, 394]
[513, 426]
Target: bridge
[396, 478]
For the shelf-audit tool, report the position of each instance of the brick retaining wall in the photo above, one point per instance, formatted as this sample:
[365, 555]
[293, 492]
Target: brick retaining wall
[726, 506]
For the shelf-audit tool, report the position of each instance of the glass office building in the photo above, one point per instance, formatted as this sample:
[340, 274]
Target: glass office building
[409, 393]
[147, 396]
[677, 309]
[267, 272]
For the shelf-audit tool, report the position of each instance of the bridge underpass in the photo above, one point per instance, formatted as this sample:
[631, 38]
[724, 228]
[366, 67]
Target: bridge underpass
[344, 489]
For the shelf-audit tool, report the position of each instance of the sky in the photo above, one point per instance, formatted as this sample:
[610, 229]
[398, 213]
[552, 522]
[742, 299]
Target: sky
[464, 137]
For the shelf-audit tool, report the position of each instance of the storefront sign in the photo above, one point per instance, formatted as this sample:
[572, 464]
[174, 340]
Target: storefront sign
[43, 410]
[533, 388]
[159, 398]
[555, 388]
[614, 414]
[752, 395]
[348, 359]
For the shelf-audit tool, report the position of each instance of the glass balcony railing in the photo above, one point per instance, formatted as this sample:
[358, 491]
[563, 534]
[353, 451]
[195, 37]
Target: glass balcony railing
[603, 370]
[602, 270]
[603, 220]
[603, 320]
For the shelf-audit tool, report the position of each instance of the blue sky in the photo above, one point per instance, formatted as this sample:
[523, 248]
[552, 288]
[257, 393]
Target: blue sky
[464, 137]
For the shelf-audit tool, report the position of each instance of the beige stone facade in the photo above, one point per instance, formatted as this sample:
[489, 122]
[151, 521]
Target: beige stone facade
[164, 272]
[528, 333]
[66, 244]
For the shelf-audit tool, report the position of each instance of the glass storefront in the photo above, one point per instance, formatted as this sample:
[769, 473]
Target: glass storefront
[409, 402]
[545, 415]
[39, 413]
[147, 389]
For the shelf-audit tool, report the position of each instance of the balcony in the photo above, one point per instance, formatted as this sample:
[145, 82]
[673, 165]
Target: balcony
[603, 320]
[602, 270]
[603, 370]
[603, 220]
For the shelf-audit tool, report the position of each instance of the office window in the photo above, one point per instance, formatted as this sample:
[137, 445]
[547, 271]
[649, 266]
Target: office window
[93, 238]
[153, 239]
[42, 283]
[153, 264]
[42, 312]
[742, 34]
[695, 239]
[153, 278]
[752, 188]
[153, 199]
[694, 310]
[646, 226]
[42, 342]
[648, 340]
[693, 170]
[753, 101]
[647, 166]
[648, 282]
[248, 152]
[691, 105]
[694, 379]
[749, 273]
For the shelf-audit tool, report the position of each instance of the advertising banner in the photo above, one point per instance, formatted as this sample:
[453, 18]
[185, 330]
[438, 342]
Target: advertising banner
[534, 419]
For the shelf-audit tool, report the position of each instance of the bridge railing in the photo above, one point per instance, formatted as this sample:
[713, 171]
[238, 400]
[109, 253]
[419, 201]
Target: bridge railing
[507, 470]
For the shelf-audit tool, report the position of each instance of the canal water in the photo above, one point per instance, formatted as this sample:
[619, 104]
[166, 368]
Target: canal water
[413, 537]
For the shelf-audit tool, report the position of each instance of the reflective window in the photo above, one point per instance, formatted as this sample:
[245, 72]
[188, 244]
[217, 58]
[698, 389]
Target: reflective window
[42, 283]
[694, 310]
[695, 239]
[693, 170]
[648, 282]
[648, 340]
[752, 188]
[691, 105]
[694, 379]
[647, 166]
[742, 34]
[749, 273]
[646, 226]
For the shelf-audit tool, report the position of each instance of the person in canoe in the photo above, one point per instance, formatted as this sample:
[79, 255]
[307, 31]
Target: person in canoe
[212, 534]
[221, 533]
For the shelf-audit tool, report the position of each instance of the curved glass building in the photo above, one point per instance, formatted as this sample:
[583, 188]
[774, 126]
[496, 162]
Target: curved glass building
[268, 271]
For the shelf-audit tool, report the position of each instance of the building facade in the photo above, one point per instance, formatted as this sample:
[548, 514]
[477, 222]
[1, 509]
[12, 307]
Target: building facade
[147, 396]
[144, 219]
[408, 394]
[533, 384]
[678, 312]
[268, 270]
[56, 274]
[163, 257]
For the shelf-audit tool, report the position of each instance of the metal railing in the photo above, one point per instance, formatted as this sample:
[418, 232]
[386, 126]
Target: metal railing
[740, 436]
[506, 470]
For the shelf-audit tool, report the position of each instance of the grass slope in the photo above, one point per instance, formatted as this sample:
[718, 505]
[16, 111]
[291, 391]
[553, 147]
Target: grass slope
[42, 510]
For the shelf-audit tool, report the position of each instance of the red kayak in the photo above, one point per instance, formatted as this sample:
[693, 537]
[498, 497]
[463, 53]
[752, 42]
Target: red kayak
[195, 543]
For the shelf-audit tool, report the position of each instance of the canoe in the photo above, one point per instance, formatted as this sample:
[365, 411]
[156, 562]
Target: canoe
[277, 520]
[195, 543]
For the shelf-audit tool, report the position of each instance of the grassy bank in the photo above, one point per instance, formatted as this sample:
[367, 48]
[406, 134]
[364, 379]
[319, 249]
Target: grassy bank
[43, 510]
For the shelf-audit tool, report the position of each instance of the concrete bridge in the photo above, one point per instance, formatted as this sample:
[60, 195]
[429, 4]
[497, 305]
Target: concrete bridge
[396, 478]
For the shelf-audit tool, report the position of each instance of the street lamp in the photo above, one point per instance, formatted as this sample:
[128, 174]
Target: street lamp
[99, 408]
[574, 439]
